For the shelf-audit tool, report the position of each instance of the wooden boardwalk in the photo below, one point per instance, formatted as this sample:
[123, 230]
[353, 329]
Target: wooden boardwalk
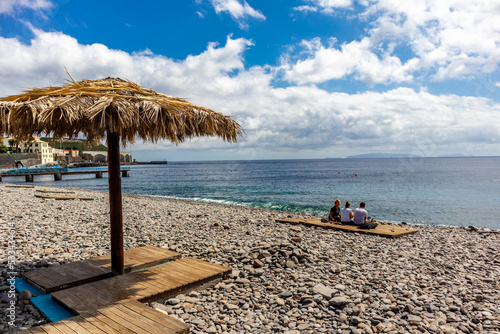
[77, 273]
[114, 304]
[144, 285]
[129, 317]
[389, 231]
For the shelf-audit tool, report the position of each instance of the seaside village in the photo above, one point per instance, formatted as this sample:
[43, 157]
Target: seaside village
[43, 152]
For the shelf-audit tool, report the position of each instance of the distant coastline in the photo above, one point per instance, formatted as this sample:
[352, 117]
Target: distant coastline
[383, 155]
[400, 156]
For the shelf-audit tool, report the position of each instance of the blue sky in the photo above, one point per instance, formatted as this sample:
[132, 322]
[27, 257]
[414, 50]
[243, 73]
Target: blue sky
[304, 78]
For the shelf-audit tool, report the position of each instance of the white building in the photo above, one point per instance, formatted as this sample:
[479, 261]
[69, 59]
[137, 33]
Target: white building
[38, 146]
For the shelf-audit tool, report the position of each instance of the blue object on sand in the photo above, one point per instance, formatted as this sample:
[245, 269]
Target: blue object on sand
[52, 311]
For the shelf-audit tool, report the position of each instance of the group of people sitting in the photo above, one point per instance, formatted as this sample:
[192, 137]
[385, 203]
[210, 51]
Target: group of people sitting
[346, 216]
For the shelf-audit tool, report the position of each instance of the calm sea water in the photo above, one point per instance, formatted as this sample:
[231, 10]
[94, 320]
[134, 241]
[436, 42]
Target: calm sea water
[434, 191]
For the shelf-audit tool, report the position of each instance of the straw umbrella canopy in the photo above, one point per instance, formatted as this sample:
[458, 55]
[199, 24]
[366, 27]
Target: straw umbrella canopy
[116, 110]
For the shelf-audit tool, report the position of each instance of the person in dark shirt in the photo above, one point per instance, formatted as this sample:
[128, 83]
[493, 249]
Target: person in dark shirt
[335, 212]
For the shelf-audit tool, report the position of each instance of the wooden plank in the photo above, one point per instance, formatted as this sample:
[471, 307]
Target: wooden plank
[205, 268]
[120, 289]
[71, 302]
[108, 324]
[165, 320]
[94, 300]
[51, 329]
[55, 191]
[293, 221]
[139, 258]
[37, 279]
[197, 263]
[63, 328]
[88, 326]
[18, 185]
[74, 324]
[384, 230]
[56, 278]
[62, 197]
[34, 330]
[147, 325]
[127, 323]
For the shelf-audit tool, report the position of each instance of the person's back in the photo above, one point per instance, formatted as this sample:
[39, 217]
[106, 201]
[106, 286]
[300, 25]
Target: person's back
[360, 214]
[346, 214]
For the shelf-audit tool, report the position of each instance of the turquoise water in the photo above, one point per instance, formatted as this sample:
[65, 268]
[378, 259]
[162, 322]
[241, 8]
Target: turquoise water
[434, 191]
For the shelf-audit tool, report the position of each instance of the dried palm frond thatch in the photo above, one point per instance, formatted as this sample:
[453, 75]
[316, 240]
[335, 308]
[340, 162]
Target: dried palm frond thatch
[117, 110]
[93, 107]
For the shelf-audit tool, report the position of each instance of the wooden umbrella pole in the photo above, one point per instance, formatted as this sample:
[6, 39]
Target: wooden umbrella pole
[115, 203]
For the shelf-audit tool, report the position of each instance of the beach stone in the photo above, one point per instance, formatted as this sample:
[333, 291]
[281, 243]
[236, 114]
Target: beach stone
[263, 255]
[339, 301]
[304, 326]
[323, 290]
[25, 295]
[257, 272]
[173, 301]
[258, 264]
[285, 294]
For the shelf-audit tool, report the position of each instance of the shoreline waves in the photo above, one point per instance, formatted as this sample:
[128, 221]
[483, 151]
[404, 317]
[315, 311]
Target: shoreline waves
[286, 278]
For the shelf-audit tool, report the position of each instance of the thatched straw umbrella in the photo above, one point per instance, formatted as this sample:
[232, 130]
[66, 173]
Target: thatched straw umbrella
[117, 110]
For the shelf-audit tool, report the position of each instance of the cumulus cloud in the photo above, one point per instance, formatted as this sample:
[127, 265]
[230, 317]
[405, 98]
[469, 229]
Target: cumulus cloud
[324, 6]
[9, 6]
[291, 121]
[448, 39]
[329, 63]
[458, 38]
[238, 10]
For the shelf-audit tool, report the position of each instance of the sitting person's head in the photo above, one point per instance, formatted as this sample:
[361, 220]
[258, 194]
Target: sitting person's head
[362, 205]
[337, 202]
[347, 204]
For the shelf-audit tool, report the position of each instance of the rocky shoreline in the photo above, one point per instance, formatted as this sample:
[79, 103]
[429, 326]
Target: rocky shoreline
[286, 278]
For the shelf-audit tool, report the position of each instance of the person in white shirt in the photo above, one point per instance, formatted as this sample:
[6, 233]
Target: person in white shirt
[346, 214]
[360, 215]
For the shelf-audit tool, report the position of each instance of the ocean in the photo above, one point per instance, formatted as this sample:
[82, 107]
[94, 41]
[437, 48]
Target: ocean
[433, 191]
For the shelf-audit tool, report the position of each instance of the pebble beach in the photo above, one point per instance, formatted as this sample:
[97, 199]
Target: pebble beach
[285, 278]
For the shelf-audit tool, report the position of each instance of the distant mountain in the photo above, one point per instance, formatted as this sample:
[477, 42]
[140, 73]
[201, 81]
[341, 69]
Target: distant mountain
[383, 155]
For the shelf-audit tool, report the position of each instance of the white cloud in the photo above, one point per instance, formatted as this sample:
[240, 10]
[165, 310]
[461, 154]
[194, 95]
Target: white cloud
[294, 121]
[324, 6]
[446, 39]
[238, 10]
[459, 38]
[8, 6]
[306, 8]
[327, 63]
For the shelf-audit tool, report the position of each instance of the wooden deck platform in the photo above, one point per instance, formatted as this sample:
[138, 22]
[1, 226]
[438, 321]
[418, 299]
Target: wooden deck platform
[77, 273]
[19, 186]
[389, 231]
[54, 191]
[144, 285]
[114, 304]
[129, 317]
[63, 197]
